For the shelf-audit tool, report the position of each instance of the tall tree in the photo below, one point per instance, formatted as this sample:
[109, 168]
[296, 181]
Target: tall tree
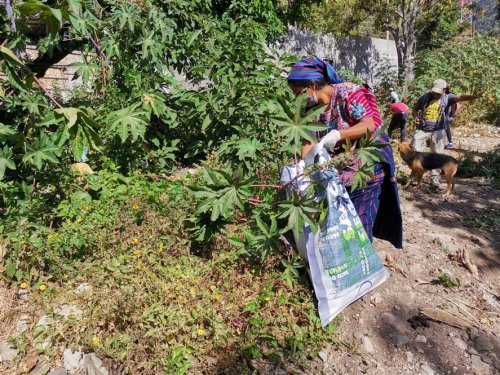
[405, 20]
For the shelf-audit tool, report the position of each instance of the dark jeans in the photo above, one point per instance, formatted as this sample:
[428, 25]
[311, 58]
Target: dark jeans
[398, 121]
[447, 127]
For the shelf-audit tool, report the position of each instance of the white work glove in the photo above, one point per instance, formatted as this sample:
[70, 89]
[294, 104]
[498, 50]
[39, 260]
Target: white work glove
[330, 139]
[300, 167]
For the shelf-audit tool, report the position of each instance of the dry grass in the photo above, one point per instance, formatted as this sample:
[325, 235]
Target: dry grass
[9, 308]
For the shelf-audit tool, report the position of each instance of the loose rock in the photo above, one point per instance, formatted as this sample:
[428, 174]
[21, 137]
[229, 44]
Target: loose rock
[409, 357]
[376, 299]
[400, 340]
[367, 345]
[388, 318]
[323, 356]
[496, 363]
[483, 343]
[421, 339]
[67, 310]
[22, 294]
[72, 360]
[479, 366]
[486, 359]
[7, 352]
[93, 365]
[358, 334]
[472, 351]
[44, 322]
[61, 371]
[23, 322]
[85, 287]
[426, 370]
[41, 369]
[459, 343]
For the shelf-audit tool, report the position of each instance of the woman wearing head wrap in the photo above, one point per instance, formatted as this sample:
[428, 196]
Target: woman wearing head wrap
[351, 111]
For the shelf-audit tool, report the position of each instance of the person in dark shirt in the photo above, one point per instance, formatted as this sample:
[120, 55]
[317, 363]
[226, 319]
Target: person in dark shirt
[430, 118]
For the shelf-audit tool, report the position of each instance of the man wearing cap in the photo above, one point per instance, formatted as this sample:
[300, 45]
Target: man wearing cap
[430, 119]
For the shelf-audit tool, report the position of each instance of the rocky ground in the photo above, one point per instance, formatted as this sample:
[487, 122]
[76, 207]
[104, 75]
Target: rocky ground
[412, 324]
[386, 333]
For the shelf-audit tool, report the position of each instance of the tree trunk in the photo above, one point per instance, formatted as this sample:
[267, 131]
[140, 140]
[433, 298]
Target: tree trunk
[405, 37]
[42, 63]
[10, 14]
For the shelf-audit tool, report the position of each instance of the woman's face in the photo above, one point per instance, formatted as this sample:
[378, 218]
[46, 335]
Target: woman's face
[301, 90]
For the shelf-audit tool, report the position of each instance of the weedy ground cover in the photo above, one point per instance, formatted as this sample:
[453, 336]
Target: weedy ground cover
[150, 301]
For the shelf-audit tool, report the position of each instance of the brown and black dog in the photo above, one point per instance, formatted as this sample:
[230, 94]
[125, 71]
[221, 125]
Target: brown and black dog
[420, 162]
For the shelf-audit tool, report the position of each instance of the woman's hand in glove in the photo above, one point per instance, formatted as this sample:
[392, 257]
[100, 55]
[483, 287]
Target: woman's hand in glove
[330, 139]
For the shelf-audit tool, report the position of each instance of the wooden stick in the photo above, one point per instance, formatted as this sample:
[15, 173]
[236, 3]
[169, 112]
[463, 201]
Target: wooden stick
[45, 91]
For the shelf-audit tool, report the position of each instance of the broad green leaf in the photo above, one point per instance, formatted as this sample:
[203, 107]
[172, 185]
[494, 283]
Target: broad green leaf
[80, 196]
[129, 122]
[194, 36]
[40, 151]
[71, 114]
[78, 129]
[6, 160]
[6, 130]
[206, 123]
[294, 124]
[85, 70]
[53, 17]
[10, 58]
[10, 270]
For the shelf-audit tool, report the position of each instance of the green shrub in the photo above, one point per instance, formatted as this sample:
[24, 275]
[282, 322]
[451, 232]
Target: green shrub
[470, 65]
[153, 305]
[487, 164]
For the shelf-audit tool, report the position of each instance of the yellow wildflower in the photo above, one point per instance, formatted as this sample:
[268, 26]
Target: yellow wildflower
[197, 280]
[135, 241]
[79, 219]
[42, 287]
[218, 297]
[201, 332]
[136, 252]
[23, 285]
[135, 206]
[96, 341]
[86, 208]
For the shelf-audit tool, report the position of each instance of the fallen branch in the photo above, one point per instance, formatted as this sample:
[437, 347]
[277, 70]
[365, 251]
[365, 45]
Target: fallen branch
[390, 262]
[288, 245]
[445, 317]
[463, 257]
[465, 311]
[421, 282]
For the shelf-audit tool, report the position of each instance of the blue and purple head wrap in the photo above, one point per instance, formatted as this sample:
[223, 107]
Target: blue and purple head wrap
[313, 68]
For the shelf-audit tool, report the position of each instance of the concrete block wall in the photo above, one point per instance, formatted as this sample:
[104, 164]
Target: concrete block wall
[362, 55]
[59, 77]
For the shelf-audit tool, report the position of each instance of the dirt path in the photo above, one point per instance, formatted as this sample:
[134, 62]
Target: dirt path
[377, 327]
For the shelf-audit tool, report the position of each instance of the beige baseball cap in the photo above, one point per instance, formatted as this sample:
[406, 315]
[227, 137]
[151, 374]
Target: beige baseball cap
[438, 86]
